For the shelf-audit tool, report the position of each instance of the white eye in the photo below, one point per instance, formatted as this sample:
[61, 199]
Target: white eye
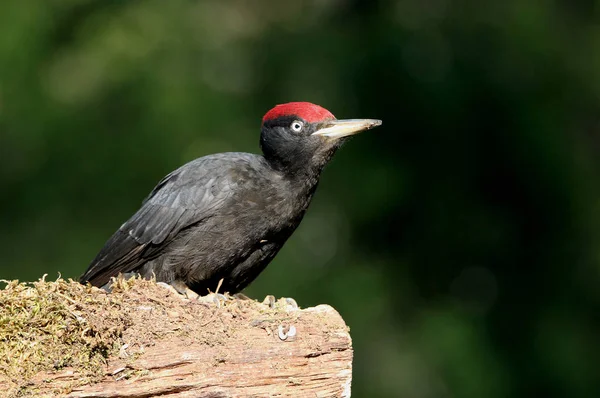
[297, 125]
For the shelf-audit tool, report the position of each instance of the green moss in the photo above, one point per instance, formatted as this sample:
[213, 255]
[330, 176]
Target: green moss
[47, 326]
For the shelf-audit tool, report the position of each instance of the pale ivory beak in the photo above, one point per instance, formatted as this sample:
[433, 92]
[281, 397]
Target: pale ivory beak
[344, 128]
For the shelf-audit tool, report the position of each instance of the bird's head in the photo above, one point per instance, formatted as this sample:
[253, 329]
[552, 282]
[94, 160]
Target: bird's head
[298, 135]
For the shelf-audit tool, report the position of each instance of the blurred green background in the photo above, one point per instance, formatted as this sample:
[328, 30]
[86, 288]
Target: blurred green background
[460, 241]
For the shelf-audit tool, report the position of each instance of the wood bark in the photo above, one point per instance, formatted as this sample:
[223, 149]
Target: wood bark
[305, 353]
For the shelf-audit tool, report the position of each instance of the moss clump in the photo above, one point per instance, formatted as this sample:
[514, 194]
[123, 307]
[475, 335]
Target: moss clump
[47, 326]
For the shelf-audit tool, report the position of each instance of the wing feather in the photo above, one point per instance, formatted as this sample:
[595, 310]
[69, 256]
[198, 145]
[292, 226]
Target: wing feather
[184, 197]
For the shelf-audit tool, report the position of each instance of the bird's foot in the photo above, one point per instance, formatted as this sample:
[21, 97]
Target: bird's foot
[216, 297]
[287, 303]
[169, 288]
[190, 294]
[180, 289]
[213, 298]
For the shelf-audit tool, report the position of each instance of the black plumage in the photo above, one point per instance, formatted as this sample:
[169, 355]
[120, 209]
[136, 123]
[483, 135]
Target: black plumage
[225, 216]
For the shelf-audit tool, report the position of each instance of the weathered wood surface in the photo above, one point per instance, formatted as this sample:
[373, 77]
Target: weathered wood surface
[254, 363]
[251, 353]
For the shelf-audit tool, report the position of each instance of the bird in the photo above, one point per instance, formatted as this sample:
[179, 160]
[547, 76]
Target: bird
[219, 220]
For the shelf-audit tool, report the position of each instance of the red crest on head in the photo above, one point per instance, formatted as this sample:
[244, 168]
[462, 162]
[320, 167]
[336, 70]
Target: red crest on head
[307, 111]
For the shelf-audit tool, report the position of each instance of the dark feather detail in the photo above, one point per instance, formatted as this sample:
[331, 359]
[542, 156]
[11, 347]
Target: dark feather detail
[183, 198]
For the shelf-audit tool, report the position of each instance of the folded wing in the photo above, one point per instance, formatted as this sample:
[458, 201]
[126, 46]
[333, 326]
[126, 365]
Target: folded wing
[183, 198]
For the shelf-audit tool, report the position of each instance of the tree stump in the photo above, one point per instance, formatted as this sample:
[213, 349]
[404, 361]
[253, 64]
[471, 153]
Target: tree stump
[142, 340]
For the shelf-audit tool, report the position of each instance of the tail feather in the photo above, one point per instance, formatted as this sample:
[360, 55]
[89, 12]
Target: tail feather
[120, 254]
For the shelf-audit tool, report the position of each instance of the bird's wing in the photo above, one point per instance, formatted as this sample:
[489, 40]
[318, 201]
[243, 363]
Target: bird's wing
[183, 198]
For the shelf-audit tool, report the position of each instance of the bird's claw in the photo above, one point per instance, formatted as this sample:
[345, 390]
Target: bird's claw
[179, 289]
[190, 294]
[170, 288]
[213, 298]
